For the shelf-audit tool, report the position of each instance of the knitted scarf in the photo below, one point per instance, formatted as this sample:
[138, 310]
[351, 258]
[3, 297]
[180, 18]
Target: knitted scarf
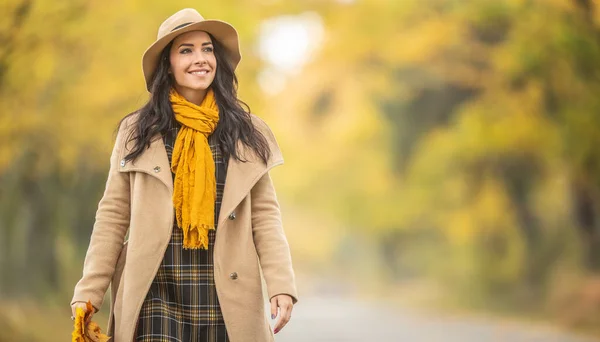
[194, 188]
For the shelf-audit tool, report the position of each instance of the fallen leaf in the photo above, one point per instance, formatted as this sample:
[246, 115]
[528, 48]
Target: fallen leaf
[78, 326]
[94, 334]
[84, 329]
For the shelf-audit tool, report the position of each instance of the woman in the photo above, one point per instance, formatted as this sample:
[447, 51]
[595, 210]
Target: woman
[198, 236]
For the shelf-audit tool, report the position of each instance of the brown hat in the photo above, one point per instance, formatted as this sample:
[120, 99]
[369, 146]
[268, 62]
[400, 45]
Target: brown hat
[186, 20]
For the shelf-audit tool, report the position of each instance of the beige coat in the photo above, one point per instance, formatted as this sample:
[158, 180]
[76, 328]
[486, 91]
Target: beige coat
[137, 200]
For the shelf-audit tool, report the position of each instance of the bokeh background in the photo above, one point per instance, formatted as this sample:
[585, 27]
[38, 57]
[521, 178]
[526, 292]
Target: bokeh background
[442, 156]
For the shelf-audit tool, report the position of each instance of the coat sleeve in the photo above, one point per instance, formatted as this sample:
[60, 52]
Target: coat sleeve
[108, 234]
[270, 241]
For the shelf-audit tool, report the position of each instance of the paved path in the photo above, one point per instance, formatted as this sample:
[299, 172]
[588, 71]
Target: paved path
[342, 320]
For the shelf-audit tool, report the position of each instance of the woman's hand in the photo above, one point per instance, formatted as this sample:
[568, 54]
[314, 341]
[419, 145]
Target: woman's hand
[83, 306]
[284, 302]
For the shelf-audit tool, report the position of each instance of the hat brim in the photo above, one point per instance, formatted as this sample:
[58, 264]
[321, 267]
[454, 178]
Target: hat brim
[220, 30]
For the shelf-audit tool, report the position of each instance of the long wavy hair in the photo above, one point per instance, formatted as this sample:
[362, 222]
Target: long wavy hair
[235, 122]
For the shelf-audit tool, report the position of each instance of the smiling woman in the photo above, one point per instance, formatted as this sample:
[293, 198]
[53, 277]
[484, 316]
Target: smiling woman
[178, 277]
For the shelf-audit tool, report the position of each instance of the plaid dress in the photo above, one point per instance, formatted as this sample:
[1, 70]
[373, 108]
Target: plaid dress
[182, 303]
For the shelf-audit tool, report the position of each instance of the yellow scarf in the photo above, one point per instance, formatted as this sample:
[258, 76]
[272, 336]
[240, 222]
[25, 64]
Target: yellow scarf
[194, 188]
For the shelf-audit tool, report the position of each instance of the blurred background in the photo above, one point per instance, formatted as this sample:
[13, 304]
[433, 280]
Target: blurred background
[442, 158]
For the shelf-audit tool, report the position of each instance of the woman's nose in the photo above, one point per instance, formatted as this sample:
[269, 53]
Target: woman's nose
[199, 59]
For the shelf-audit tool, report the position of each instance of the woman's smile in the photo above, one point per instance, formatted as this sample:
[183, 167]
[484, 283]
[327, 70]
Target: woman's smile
[199, 72]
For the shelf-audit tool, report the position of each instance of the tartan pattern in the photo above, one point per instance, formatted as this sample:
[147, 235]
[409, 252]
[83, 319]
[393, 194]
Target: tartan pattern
[182, 303]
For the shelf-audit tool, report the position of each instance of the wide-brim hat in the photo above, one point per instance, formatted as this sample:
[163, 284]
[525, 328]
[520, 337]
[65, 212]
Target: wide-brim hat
[186, 20]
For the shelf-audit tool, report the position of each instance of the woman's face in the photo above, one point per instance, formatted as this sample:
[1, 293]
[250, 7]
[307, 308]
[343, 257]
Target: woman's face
[193, 64]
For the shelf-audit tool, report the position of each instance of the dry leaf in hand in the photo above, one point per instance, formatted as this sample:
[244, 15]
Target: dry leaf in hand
[85, 330]
[79, 326]
[93, 333]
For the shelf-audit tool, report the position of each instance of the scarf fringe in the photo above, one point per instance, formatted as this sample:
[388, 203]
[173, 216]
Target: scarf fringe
[196, 237]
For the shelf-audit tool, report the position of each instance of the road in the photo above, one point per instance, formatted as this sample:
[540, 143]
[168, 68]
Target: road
[344, 320]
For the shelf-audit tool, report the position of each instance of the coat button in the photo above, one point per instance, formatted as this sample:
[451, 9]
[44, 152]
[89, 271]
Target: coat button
[123, 162]
[157, 169]
[232, 216]
[233, 275]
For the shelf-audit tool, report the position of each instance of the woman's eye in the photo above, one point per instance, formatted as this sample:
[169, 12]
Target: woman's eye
[208, 49]
[185, 51]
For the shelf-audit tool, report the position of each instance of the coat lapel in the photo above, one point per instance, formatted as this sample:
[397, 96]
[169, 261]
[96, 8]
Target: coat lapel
[241, 177]
[153, 161]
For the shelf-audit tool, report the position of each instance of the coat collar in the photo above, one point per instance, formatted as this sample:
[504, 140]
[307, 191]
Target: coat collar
[240, 178]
